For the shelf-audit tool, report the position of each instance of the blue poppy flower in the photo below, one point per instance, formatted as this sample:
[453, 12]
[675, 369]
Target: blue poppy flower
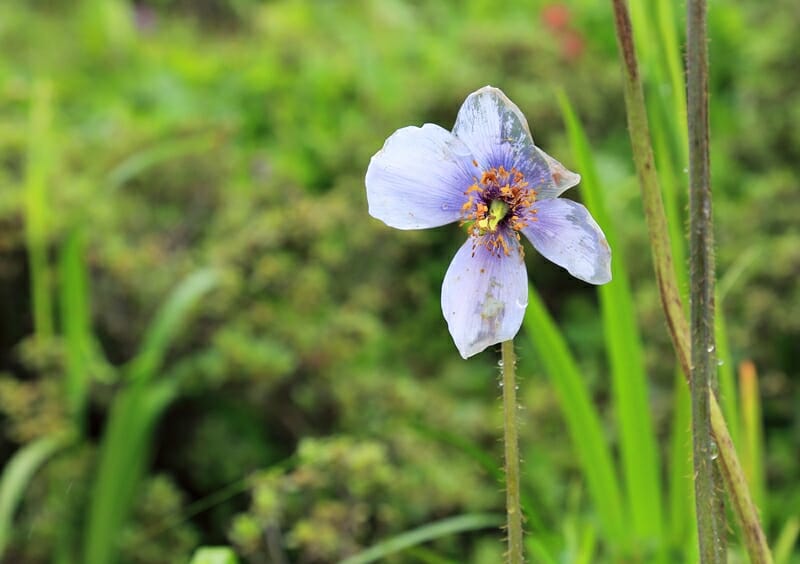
[488, 175]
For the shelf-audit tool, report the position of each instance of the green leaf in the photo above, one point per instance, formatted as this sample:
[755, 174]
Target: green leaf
[752, 445]
[122, 461]
[18, 473]
[75, 321]
[134, 413]
[640, 458]
[728, 397]
[539, 551]
[786, 541]
[681, 488]
[583, 421]
[426, 533]
[168, 322]
[157, 154]
[486, 461]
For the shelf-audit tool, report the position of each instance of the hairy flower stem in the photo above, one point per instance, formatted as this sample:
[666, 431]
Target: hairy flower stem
[668, 288]
[510, 419]
[701, 275]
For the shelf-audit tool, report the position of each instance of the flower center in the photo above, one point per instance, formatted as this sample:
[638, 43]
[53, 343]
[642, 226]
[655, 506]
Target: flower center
[499, 203]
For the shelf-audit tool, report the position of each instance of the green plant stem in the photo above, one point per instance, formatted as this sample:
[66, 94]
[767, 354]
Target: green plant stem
[668, 289]
[701, 275]
[513, 510]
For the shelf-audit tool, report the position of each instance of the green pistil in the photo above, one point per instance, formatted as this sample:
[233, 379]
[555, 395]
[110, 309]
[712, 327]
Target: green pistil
[498, 209]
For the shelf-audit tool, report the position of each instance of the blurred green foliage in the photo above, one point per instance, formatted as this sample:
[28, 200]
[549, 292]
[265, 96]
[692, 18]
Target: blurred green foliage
[235, 134]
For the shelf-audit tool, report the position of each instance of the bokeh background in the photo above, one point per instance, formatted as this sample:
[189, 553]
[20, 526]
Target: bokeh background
[301, 398]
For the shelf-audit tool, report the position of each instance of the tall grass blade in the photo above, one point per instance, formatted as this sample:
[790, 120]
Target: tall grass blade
[157, 154]
[587, 547]
[752, 446]
[426, 533]
[728, 397]
[214, 555]
[641, 466]
[672, 58]
[18, 473]
[681, 491]
[134, 413]
[671, 177]
[786, 541]
[583, 421]
[539, 551]
[168, 321]
[486, 461]
[122, 461]
[428, 556]
[38, 169]
[75, 322]
[662, 66]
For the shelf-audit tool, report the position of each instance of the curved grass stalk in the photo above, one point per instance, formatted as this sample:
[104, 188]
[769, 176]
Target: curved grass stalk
[19, 472]
[425, 533]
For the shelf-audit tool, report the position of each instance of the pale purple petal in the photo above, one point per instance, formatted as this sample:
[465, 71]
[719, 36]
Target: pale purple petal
[563, 179]
[497, 134]
[419, 178]
[564, 232]
[484, 296]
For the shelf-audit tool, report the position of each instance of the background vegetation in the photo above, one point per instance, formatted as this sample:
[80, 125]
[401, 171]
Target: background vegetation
[205, 339]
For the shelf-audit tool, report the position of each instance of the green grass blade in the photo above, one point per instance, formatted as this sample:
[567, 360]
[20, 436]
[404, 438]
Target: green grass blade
[427, 556]
[76, 322]
[587, 547]
[539, 551]
[662, 66]
[487, 462]
[134, 413]
[681, 489]
[672, 186]
[18, 473]
[122, 460]
[168, 322]
[752, 449]
[426, 533]
[735, 274]
[38, 168]
[583, 421]
[641, 466]
[214, 555]
[672, 63]
[786, 541]
[728, 397]
[155, 155]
